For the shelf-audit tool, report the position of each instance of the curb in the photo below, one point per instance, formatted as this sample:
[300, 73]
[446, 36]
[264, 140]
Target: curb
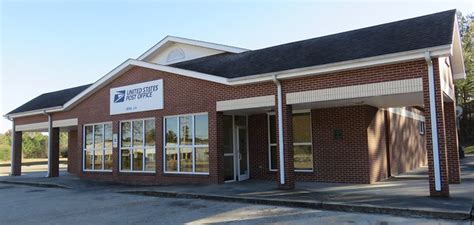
[332, 206]
[45, 185]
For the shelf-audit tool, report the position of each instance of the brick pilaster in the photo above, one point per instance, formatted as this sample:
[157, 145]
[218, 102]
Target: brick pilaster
[439, 112]
[216, 145]
[452, 142]
[16, 153]
[54, 152]
[73, 153]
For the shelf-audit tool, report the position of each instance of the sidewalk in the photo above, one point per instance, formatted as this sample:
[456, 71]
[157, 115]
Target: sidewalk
[405, 195]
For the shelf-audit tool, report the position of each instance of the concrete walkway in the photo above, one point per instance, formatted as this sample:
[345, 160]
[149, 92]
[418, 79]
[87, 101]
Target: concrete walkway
[405, 195]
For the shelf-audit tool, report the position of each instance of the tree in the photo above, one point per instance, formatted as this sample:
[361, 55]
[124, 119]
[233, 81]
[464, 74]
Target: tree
[5, 145]
[465, 88]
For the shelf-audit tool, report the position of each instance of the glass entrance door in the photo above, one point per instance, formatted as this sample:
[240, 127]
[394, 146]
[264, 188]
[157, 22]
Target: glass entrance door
[242, 151]
[236, 157]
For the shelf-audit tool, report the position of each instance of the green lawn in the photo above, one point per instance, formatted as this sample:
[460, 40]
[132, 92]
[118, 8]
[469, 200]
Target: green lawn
[469, 150]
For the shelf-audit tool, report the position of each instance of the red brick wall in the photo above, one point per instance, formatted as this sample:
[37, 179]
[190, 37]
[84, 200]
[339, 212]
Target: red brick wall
[258, 148]
[182, 95]
[188, 95]
[344, 160]
[31, 119]
[407, 146]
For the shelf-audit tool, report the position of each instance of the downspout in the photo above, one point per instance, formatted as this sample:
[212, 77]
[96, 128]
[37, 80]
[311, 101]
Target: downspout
[50, 126]
[434, 124]
[280, 129]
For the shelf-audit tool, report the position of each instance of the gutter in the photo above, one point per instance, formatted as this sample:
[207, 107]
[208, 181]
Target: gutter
[280, 129]
[50, 139]
[434, 124]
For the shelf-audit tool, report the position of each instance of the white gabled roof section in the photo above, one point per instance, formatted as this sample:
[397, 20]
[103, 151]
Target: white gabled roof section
[170, 40]
[457, 57]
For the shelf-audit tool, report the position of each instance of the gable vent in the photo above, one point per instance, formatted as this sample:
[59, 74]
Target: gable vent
[175, 54]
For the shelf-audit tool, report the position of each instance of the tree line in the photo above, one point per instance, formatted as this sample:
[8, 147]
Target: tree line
[35, 145]
[465, 88]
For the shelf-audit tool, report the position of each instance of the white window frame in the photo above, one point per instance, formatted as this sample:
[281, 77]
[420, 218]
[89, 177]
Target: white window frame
[270, 145]
[303, 111]
[132, 148]
[84, 149]
[193, 146]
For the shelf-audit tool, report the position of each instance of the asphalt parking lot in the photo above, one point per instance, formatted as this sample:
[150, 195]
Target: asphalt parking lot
[35, 205]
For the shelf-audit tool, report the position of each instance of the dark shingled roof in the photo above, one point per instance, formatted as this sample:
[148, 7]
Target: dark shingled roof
[51, 99]
[405, 35]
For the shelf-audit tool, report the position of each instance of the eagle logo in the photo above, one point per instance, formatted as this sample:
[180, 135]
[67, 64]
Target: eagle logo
[119, 96]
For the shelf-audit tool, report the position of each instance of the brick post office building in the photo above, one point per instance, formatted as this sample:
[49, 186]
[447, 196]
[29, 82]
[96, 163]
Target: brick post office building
[353, 107]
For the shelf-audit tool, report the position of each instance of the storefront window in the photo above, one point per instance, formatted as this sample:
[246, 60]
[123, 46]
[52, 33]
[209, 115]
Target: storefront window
[187, 144]
[137, 146]
[97, 153]
[302, 149]
[302, 145]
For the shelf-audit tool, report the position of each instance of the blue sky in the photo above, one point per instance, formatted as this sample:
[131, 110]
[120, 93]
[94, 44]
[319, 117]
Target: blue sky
[52, 45]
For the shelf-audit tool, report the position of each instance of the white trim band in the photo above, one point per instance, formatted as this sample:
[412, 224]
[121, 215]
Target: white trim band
[405, 113]
[356, 91]
[44, 125]
[246, 103]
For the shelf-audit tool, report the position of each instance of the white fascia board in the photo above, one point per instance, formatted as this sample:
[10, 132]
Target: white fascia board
[168, 39]
[345, 65]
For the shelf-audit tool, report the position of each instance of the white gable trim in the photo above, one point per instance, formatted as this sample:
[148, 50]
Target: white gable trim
[167, 39]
